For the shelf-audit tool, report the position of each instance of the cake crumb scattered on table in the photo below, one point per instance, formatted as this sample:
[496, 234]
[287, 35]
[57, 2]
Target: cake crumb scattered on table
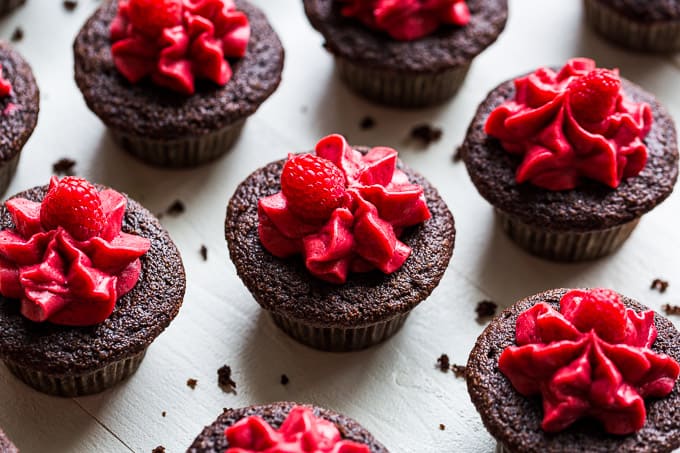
[163, 414]
[159, 449]
[191, 383]
[225, 381]
[443, 363]
[660, 285]
[458, 154]
[426, 134]
[204, 252]
[458, 370]
[486, 309]
[70, 5]
[284, 379]
[176, 208]
[367, 122]
[442, 426]
[64, 167]
[18, 34]
[671, 309]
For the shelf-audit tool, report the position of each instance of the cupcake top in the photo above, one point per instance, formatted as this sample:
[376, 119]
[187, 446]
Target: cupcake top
[19, 102]
[646, 10]
[436, 36]
[619, 168]
[620, 353]
[153, 111]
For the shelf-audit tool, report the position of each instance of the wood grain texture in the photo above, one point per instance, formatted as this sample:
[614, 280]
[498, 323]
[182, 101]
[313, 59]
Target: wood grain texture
[393, 389]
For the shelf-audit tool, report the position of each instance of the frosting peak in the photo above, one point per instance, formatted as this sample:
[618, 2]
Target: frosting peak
[343, 211]
[572, 125]
[175, 42]
[590, 359]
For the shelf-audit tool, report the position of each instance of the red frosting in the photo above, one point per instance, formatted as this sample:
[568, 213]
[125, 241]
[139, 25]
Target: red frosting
[5, 85]
[61, 279]
[569, 126]
[590, 359]
[406, 20]
[175, 42]
[301, 432]
[362, 233]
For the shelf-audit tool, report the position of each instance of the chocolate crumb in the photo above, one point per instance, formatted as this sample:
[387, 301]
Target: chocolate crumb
[204, 252]
[458, 370]
[442, 426]
[18, 34]
[191, 383]
[671, 309]
[284, 379]
[458, 155]
[443, 363]
[70, 5]
[426, 134]
[225, 381]
[367, 123]
[486, 309]
[660, 285]
[176, 208]
[163, 414]
[159, 449]
[64, 166]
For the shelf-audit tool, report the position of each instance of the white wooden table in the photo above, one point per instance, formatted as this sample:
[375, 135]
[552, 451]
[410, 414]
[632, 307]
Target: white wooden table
[393, 389]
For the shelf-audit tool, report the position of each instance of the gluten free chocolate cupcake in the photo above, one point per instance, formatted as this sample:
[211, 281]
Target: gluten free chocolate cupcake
[284, 427]
[578, 370]
[408, 53]
[175, 80]
[571, 159]
[88, 279]
[19, 106]
[339, 246]
[645, 25]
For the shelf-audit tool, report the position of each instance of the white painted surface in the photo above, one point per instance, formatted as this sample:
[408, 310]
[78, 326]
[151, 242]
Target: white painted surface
[392, 389]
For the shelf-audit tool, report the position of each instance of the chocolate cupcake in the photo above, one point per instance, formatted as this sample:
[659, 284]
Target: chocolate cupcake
[6, 445]
[8, 5]
[19, 106]
[340, 259]
[280, 424]
[607, 368]
[407, 54]
[645, 25]
[163, 103]
[572, 159]
[89, 278]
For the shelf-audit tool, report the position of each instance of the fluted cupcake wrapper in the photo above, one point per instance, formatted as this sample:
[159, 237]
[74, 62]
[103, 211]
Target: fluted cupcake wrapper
[401, 89]
[339, 339]
[7, 171]
[565, 245]
[78, 384]
[8, 5]
[658, 36]
[180, 153]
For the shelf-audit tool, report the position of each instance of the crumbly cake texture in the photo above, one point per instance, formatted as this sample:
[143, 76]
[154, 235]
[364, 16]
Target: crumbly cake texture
[6, 446]
[645, 10]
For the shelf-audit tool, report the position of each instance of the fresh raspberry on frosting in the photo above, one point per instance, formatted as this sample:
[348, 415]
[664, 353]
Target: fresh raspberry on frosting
[592, 359]
[152, 16]
[592, 97]
[74, 204]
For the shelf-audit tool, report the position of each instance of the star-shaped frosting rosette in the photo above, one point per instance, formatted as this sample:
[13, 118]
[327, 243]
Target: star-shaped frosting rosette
[193, 43]
[301, 432]
[64, 280]
[362, 232]
[590, 359]
[572, 124]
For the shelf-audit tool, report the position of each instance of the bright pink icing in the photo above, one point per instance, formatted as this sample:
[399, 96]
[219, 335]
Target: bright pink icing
[406, 20]
[195, 46]
[5, 85]
[301, 432]
[559, 150]
[590, 359]
[63, 280]
[362, 234]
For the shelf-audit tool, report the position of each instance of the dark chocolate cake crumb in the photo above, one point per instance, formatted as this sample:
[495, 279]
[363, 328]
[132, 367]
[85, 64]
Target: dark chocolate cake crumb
[191, 383]
[284, 379]
[426, 134]
[159, 449]
[443, 363]
[367, 122]
[225, 381]
[671, 309]
[458, 370]
[176, 208]
[163, 414]
[70, 5]
[458, 155]
[442, 426]
[64, 166]
[660, 285]
[486, 309]
[204, 252]
[18, 34]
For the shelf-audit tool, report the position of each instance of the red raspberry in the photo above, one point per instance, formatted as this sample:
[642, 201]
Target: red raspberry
[601, 310]
[593, 95]
[152, 16]
[313, 186]
[74, 204]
